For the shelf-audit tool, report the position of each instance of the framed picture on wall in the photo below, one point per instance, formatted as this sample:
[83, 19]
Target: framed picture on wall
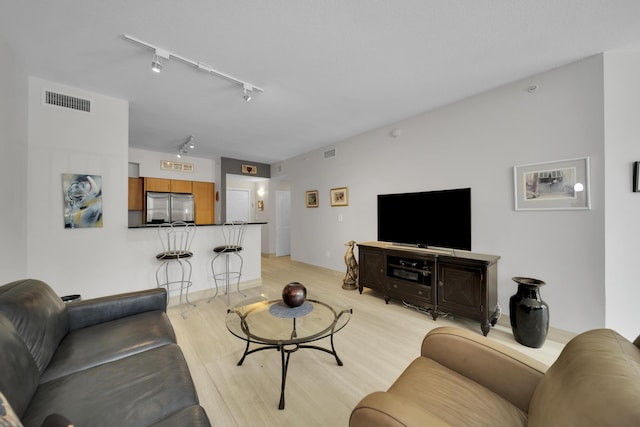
[82, 198]
[636, 177]
[562, 184]
[339, 196]
[312, 198]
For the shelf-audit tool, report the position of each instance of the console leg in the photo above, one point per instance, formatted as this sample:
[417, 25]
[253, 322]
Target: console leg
[485, 328]
[495, 316]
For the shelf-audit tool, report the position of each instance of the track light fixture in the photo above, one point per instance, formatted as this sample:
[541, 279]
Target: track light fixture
[156, 61]
[186, 146]
[156, 65]
[245, 92]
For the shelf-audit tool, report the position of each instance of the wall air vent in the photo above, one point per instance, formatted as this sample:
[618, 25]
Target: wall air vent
[330, 153]
[66, 101]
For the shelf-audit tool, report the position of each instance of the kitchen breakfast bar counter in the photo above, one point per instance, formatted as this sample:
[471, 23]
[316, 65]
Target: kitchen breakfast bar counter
[198, 225]
[206, 238]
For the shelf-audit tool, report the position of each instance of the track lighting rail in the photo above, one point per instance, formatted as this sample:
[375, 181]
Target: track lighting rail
[160, 53]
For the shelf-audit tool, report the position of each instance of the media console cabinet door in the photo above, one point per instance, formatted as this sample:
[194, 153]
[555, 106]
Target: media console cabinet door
[460, 289]
[371, 268]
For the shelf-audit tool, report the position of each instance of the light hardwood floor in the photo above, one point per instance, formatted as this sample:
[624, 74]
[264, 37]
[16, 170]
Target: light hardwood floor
[376, 346]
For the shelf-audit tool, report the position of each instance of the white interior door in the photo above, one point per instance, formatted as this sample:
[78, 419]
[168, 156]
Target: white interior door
[283, 223]
[238, 205]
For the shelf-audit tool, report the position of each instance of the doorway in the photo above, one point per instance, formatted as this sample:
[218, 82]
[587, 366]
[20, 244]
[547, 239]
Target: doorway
[238, 205]
[283, 222]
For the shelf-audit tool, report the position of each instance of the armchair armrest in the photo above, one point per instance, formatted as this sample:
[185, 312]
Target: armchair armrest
[388, 410]
[99, 310]
[506, 372]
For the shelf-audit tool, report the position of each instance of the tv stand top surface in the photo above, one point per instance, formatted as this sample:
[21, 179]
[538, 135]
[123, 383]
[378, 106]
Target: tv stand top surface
[436, 252]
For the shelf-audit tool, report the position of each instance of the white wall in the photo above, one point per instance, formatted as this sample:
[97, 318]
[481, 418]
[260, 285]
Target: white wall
[622, 206]
[13, 186]
[90, 261]
[270, 210]
[100, 261]
[475, 143]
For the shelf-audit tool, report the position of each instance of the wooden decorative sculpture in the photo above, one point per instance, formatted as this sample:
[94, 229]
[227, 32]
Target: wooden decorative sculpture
[351, 278]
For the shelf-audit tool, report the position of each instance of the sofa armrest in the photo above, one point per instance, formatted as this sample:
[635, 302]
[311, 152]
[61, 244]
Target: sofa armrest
[388, 410]
[505, 371]
[99, 310]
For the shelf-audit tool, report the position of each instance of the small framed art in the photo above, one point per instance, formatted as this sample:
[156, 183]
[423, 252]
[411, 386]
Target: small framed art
[562, 184]
[339, 196]
[312, 198]
[636, 177]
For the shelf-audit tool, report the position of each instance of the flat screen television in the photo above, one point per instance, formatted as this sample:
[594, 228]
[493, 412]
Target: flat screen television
[430, 218]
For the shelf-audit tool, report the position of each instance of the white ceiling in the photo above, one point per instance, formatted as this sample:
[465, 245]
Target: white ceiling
[330, 69]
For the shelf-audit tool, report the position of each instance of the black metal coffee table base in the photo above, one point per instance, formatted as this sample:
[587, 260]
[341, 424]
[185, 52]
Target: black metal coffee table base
[285, 352]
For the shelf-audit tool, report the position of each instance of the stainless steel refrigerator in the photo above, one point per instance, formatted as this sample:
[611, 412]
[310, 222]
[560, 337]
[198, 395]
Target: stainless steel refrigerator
[169, 207]
[182, 207]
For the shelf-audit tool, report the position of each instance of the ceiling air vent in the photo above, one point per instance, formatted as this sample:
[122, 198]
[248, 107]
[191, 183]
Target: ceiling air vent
[66, 101]
[330, 153]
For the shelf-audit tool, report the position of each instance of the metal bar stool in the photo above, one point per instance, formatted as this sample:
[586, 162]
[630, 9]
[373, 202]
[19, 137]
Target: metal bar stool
[233, 233]
[176, 241]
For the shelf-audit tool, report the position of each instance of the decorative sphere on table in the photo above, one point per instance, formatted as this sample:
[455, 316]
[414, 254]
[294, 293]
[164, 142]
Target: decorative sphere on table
[294, 294]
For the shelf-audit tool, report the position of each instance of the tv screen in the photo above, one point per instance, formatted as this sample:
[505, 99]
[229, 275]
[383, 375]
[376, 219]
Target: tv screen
[430, 218]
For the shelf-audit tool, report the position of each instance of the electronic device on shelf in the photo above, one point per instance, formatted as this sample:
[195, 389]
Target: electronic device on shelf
[403, 262]
[430, 218]
[413, 270]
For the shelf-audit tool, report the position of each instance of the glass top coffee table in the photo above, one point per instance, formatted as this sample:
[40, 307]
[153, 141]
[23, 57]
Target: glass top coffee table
[267, 322]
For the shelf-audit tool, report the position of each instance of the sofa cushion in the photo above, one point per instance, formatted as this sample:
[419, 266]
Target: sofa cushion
[138, 390]
[193, 416]
[594, 381]
[109, 341]
[105, 309]
[18, 371]
[39, 316]
[457, 400]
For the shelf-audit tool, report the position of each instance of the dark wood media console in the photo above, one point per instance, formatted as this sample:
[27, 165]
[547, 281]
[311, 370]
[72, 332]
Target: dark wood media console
[459, 283]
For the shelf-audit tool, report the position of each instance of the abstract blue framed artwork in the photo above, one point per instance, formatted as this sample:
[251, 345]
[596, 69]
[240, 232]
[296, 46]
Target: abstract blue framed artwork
[82, 200]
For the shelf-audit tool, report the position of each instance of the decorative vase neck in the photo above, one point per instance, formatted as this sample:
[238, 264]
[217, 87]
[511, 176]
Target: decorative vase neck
[530, 292]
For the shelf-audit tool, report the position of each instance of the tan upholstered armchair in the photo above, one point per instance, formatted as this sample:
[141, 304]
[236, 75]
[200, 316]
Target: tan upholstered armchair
[465, 379]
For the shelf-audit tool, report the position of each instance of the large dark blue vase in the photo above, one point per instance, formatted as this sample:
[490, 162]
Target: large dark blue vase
[529, 314]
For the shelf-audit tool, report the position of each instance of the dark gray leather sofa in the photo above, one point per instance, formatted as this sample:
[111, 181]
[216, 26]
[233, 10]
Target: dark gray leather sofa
[109, 361]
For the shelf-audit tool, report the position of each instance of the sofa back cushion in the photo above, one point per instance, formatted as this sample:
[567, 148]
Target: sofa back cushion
[19, 374]
[595, 381]
[39, 316]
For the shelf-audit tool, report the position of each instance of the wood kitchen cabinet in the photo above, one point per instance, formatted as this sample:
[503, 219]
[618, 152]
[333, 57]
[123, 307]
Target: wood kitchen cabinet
[203, 195]
[168, 185]
[461, 283]
[136, 194]
[180, 186]
[157, 184]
